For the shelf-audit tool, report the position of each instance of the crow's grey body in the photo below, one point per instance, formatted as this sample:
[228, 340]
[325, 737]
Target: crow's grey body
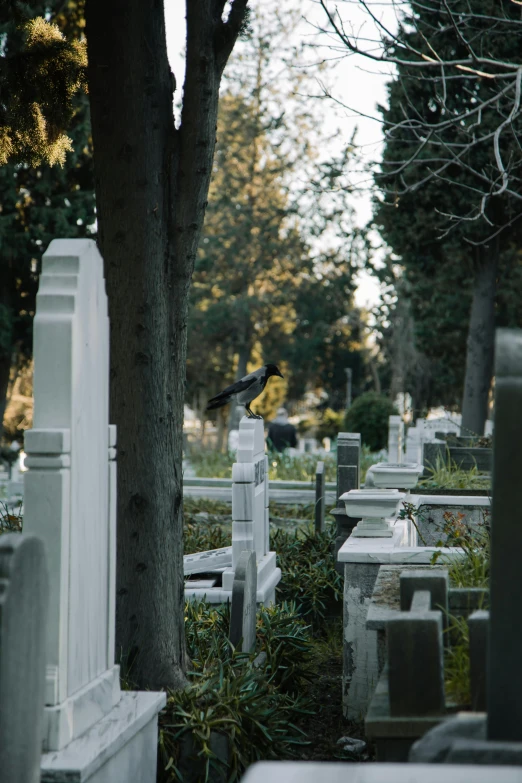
[245, 390]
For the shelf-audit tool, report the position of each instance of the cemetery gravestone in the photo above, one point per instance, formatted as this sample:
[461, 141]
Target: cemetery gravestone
[70, 501]
[348, 478]
[243, 609]
[496, 737]
[250, 525]
[23, 615]
[319, 497]
[395, 439]
[250, 513]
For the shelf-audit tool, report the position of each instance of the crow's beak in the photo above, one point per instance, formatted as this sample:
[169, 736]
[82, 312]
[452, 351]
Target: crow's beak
[280, 374]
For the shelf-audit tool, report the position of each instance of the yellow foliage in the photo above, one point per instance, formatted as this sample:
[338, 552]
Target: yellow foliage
[41, 32]
[276, 389]
[55, 69]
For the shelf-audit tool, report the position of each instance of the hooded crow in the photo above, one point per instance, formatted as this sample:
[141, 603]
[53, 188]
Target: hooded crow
[246, 390]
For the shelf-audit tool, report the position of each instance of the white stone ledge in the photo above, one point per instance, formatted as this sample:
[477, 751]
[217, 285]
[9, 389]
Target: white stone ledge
[80, 760]
[401, 547]
[341, 772]
[65, 722]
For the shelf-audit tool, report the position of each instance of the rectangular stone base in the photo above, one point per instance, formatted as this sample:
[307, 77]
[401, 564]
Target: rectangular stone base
[121, 748]
[368, 532]
[268, 576]
[372, 528]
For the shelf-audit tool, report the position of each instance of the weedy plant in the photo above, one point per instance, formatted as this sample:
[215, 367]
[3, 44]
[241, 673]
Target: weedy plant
[309, 576]
[446, 474]
[10, 520]
[238, 707]
[457, 662]
[470, 570]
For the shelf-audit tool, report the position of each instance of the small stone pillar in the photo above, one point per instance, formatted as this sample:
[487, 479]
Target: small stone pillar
[395, 439]
[319, 497]
[348, 477]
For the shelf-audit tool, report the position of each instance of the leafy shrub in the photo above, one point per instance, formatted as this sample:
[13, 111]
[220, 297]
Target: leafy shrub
[309, 577]
[369, 416]
[202, 536]
[252, 705]
[308, 570]
[330, 424]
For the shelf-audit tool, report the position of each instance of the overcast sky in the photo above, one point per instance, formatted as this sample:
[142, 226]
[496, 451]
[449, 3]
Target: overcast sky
[356, 82]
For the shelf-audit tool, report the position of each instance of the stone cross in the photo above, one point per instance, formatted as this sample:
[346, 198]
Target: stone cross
[23, 621]
[243, 609]
[70, 501]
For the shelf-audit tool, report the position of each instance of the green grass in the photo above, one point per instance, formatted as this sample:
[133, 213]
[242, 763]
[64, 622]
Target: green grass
[208, 463]
[216, 512]
[445, 474]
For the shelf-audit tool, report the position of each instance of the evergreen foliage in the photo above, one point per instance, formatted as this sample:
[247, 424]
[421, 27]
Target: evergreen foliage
[41, 71]
[369, 416]
[431, 222]
[39, 203]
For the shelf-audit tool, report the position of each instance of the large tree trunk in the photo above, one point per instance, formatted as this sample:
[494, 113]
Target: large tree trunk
[151, 190]
[5, 369]
[481, 340]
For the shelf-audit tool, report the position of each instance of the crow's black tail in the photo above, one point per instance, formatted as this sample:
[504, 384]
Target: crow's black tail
[213, 404]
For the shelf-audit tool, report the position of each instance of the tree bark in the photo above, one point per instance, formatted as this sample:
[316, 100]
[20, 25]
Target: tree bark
[481, 341]
[5, 370]
[151, 189]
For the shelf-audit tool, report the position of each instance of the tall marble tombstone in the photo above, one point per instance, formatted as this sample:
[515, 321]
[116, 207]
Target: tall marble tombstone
[90, 726]
[23, 615]
[250, 492]
[250, 512]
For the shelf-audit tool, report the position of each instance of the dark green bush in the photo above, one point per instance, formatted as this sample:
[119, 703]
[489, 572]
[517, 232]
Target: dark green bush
[369, 416]
[308, 570]
[251, 706]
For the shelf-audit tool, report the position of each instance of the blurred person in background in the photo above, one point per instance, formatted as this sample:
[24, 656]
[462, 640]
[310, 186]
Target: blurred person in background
[281, 433]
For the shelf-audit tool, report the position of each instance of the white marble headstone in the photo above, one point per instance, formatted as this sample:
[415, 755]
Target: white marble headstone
[70, 487]
[250, 520]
